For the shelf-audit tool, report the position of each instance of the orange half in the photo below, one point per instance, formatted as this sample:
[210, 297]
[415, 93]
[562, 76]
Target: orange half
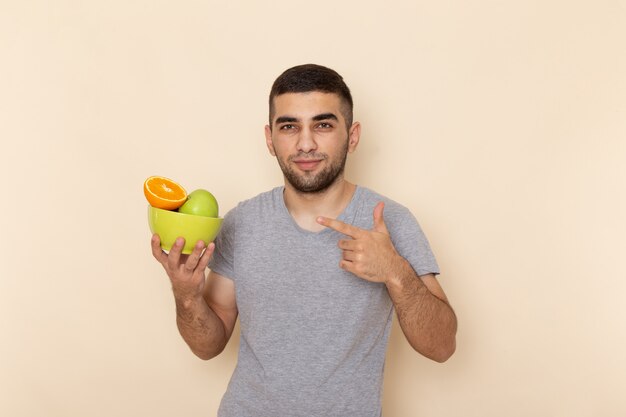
[164, 193]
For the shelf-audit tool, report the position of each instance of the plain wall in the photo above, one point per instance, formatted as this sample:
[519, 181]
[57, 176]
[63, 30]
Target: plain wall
[501, 125]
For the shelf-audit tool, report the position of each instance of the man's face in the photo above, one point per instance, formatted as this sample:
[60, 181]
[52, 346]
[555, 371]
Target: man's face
[310, 139]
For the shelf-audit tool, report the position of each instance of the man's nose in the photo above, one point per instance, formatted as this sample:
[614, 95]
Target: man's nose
[306, 141]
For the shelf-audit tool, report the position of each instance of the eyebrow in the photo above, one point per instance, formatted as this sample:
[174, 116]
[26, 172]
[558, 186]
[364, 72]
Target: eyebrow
[316, 118]
[325, 116]
[285, 119]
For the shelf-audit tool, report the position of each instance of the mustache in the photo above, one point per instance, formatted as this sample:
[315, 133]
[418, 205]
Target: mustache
[309, 155]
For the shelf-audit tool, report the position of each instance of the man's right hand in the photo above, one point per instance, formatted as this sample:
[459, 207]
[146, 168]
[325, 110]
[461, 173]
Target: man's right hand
[206, 308]
[186, 272]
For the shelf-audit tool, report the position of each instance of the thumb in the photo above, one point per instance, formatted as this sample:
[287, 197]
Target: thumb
[379, 221]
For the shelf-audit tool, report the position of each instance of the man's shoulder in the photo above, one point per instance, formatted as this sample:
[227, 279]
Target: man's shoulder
[371, 198]
[261, 198]
[256, 204]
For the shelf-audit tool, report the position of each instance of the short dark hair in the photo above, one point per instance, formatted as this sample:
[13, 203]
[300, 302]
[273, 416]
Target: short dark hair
[311, 77]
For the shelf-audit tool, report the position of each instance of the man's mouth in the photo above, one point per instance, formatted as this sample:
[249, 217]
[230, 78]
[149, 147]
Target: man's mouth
[307, 164]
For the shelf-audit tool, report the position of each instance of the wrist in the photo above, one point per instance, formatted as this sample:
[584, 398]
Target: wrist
[397, 272]
[187, 301]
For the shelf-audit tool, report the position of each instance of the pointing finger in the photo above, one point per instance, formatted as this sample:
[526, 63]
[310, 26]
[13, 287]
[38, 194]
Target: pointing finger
[340, 226]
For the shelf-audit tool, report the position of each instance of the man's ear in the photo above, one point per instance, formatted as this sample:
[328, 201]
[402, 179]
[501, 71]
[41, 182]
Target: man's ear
[354, 135]
[268, 140]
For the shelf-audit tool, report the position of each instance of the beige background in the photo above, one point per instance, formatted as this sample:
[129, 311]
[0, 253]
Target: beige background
[501, 125]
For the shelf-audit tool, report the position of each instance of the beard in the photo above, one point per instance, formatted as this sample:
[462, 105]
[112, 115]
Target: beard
[309, 182]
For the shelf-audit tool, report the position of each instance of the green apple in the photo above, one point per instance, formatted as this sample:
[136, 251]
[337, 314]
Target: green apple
[200, 203]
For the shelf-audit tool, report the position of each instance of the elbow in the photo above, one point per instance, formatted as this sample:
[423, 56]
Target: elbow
[447, 344]
[207, 354]
[445, 352]
[204, 355]
[440, 353]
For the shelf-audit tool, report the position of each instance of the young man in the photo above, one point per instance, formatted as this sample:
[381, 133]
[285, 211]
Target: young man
[313, 269]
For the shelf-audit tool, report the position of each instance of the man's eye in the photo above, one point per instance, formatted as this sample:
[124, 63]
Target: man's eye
[325, 125]
[287, 127]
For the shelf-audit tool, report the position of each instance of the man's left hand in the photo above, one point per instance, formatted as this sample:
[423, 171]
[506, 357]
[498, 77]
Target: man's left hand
[369, 254]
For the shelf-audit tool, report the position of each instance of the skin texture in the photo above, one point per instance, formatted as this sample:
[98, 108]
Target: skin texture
[310, 140]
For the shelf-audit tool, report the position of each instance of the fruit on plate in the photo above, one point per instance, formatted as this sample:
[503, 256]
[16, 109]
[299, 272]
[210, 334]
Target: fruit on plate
[164, 193]
[200, 203]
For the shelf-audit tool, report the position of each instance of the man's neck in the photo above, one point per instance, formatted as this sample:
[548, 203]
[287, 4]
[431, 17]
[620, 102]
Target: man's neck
[306, 207]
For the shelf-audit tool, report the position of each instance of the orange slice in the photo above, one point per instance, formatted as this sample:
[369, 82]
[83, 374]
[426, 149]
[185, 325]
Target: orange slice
[164, 193]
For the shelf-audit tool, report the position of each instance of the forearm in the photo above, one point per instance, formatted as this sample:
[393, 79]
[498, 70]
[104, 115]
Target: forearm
[428, 322]
[200, 327]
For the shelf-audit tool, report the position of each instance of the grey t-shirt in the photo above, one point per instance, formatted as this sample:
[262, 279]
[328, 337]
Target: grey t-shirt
[313, 336]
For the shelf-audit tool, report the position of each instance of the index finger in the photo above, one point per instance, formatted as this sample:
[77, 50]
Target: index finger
[341, 227]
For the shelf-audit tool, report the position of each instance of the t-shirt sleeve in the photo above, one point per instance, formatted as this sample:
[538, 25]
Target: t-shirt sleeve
[412, 244]
[223, 259]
